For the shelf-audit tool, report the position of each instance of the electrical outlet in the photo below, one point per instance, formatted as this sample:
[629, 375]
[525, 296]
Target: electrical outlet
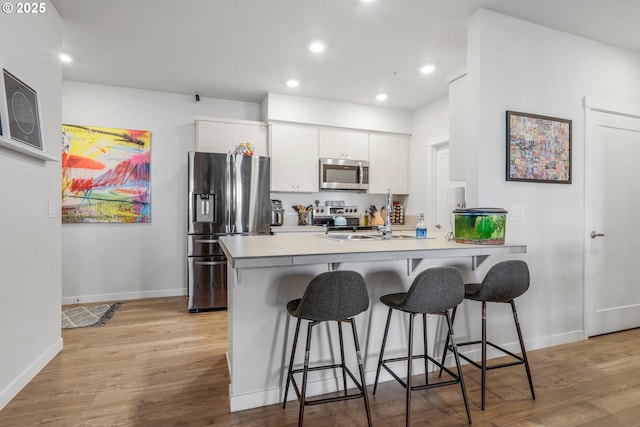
[52, 210]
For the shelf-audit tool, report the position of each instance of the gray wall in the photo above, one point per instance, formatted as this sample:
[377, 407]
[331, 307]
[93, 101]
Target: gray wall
[102, 262]
[30, 240]
[516, 65]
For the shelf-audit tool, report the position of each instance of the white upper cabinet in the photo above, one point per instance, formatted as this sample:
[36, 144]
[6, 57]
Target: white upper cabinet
[222, 137]
[294, 159]
[458, 100]
[388, 160]
[337, 144]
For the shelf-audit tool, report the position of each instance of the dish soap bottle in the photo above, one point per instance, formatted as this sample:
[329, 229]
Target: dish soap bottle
[421, 229]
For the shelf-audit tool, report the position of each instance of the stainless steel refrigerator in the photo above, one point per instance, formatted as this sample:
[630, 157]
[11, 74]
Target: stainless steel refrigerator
[228, 194]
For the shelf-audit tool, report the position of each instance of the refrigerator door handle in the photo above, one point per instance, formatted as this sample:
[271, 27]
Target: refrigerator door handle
[228, 195]
[210, 262]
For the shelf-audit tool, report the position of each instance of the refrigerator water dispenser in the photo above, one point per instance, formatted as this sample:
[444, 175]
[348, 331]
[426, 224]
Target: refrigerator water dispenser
[204, 208]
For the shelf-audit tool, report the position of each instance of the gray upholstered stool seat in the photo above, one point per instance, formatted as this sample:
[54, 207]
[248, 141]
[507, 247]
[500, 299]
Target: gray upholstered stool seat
[332, 296]
[433, 291]
[503, 283]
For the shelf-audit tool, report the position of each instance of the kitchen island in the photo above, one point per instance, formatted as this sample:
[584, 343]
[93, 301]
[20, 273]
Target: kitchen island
[265, 272]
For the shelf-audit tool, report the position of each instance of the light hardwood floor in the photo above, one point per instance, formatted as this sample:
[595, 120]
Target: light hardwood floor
[154, 364]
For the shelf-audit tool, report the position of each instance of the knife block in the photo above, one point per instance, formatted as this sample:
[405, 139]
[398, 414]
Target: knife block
[377, 219]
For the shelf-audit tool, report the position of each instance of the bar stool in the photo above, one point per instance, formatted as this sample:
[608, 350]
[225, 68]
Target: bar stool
[503, 283]
[433, 291]
[331, 296]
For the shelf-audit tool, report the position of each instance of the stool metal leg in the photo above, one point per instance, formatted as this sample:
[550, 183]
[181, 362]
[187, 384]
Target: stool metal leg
[484, 351]
[305, 372]
[425, 346]
[293, 353]
[384, 342]
[344, 373]
[361, 368]
[446, 343]
[409, 359]
[458, 365]
[524, 352]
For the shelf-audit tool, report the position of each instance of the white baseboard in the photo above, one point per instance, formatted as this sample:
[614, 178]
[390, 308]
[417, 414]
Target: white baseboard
[28, 374]
[123, 296]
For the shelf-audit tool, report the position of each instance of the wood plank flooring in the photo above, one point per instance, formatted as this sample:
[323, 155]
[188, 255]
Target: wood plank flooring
[154, 364]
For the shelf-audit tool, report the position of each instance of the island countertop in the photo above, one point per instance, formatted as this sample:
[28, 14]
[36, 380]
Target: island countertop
[290, 249]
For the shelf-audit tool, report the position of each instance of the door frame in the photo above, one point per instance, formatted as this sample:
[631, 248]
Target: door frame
[433, 145]
[592, 104]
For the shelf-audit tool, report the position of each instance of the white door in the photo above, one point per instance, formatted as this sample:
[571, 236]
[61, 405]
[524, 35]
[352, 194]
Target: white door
[446, 192]
[612, 277]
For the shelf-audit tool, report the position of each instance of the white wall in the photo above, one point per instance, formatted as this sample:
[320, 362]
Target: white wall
[298, 109]
[430, 128]
[103, 262]
[29, 239]
[516, 65]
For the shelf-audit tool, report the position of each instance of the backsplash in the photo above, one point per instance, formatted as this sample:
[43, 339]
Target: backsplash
[361, 200]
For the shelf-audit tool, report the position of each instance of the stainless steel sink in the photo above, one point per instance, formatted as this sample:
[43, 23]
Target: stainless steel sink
[351, 236]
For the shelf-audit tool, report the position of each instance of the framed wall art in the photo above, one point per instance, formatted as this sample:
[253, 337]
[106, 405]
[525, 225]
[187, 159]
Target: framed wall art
[20, 117]
[22, 109]
[538, 148]
[105, 175]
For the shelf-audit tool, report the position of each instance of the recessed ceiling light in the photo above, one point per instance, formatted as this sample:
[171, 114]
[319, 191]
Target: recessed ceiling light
[381, 97]
[64, 57]
[317, 47]
[293, 83]
[427, 69]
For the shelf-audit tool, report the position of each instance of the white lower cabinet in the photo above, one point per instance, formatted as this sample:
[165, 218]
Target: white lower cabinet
[221, 137]
[388, 160]
[294, 159]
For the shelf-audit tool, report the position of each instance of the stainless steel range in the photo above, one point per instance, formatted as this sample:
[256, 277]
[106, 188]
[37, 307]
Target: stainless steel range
[326, 215]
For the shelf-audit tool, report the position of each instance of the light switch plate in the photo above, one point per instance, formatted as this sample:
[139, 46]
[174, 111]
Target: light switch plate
[516, 213]
[52, 210]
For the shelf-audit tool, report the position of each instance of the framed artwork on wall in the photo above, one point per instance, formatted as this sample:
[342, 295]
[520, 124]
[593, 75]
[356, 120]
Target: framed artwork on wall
[105, 175]
[20, 128]
[22, 111]
[538, 148]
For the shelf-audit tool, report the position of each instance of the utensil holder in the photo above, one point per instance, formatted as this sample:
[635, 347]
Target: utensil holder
[303, 218]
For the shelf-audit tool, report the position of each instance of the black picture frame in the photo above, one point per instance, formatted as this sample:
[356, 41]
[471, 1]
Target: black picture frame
[538, 148]
[22, 111]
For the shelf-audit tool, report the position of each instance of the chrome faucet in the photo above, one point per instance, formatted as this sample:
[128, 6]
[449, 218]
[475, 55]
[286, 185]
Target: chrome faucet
[386, 229]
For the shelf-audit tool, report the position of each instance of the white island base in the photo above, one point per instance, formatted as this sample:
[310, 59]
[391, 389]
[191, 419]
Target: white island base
[266, 272]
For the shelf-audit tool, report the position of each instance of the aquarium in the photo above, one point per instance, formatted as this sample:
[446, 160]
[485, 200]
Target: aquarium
[480, 226]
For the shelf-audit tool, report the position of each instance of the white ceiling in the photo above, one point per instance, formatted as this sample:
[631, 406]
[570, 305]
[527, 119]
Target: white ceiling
[242, 49]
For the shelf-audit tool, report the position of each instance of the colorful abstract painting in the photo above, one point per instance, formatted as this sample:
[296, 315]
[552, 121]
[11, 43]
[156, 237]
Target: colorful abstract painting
[105, 175]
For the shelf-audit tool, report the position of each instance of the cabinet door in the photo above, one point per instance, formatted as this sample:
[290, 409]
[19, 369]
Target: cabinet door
[336, 144]
[307, 162]
[283, 158]
[214, 137]
[255, 134]
[294, 159]
[388, 164]
[222, 137]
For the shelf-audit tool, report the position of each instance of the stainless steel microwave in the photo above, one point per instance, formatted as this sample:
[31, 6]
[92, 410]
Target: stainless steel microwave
[344, 174]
